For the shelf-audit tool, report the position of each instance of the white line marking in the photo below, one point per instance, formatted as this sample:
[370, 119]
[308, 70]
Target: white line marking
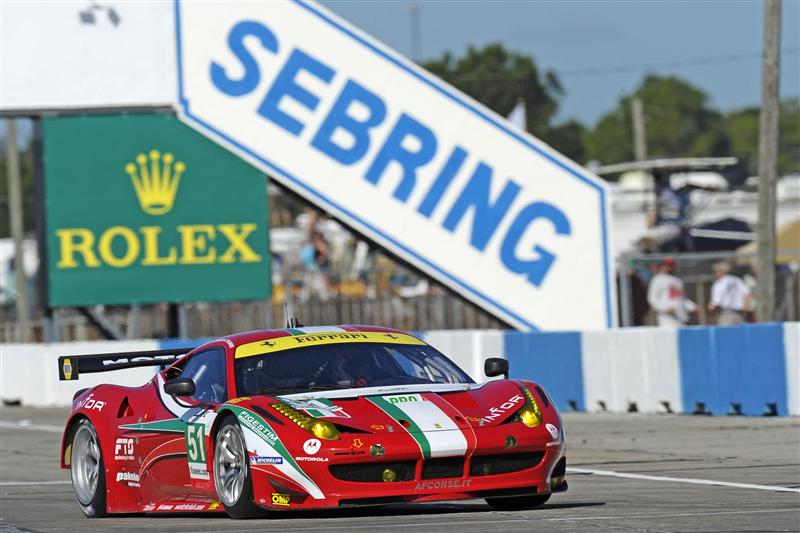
[26, 424]
[682, 480]
[27, 483]
[702, 513]
[395, 525]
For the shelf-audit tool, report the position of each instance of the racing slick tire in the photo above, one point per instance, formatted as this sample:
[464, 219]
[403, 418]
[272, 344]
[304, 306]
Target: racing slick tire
[232, 477]
[518, 503]
[88, 470]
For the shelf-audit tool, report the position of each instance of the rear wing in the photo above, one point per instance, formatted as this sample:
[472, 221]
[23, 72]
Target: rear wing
[70, 367]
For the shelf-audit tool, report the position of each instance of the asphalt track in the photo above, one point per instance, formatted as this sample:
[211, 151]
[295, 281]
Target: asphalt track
[628, 473]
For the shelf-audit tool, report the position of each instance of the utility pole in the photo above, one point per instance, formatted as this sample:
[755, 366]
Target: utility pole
[416, 33]
[15, 214]
[768, 161]
[639, 135]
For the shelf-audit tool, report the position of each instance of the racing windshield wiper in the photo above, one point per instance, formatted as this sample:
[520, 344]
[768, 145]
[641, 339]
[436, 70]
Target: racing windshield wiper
[309, 388]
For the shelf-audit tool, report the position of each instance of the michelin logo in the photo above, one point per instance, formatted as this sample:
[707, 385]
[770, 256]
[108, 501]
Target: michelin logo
[266, 460]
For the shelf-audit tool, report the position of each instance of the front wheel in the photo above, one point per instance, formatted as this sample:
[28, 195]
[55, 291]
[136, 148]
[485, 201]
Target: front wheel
[87, 470]
[518, 503]
[232, 471]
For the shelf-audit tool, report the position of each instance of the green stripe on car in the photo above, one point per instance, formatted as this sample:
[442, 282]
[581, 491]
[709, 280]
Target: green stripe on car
[398, 414]
[261, 427]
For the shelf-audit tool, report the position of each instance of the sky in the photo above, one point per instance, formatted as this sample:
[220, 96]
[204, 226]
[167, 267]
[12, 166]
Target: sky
[601, 50]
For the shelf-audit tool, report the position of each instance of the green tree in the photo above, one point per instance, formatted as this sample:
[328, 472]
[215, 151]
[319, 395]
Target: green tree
[568, 138]
[497, 78]
[679, 121]
[789, 137]
[742, 128]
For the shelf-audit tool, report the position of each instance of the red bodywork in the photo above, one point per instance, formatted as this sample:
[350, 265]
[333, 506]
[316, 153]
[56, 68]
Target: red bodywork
[144, 441]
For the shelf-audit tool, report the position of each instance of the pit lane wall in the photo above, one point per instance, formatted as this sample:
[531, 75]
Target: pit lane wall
[649, 369]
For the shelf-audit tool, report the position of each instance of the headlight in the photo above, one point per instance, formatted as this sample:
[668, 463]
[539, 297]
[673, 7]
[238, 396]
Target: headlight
[319, 428]
[529, 417]
[530, 414]
[324, 430]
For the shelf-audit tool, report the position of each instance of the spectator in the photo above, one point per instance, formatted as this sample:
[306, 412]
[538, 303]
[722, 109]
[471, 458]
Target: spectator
[667, 297]
[322, 252]
[730, 296]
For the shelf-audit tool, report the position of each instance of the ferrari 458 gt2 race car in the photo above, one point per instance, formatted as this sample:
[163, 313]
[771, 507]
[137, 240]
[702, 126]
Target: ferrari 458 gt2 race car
[307, 418]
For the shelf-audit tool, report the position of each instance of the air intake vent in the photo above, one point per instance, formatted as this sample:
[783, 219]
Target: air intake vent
[489, 465]
[442, 468]
[124, 409]
[373, 472]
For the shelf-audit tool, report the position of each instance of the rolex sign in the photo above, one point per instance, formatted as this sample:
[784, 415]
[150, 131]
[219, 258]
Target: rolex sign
[142, 209]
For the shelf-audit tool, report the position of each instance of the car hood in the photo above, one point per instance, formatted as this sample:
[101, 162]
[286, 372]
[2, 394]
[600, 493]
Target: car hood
[418, 408]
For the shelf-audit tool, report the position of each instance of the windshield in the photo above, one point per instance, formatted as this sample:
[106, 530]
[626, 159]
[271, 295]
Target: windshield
[344, 366]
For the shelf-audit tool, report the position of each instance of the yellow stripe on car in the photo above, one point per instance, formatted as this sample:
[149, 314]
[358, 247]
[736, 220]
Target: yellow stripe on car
[315, 339]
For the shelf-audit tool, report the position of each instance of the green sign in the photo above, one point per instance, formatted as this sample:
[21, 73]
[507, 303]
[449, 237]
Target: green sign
[142, 209]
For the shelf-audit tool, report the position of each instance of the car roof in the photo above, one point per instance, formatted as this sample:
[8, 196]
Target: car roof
[266, 334]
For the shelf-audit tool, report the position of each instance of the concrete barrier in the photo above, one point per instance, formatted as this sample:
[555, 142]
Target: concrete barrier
[467, 348]
[29, 372]
[632, 369]
[791, 343]
[748, 369]
[734, 367]
[552, 360]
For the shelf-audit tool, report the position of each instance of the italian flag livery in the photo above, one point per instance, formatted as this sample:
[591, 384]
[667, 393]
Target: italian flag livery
[320, 424]
[430, 421]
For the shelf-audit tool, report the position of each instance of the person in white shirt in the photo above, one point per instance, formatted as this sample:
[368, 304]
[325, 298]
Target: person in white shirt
[667, 297]
[730, 296]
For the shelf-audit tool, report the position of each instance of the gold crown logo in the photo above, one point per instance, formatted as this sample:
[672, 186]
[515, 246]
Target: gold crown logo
[155, 180]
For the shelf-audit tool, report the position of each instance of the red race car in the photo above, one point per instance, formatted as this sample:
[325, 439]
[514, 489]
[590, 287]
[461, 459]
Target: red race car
[307, 418]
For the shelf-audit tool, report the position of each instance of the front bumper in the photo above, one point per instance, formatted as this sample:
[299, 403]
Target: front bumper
[350, 480]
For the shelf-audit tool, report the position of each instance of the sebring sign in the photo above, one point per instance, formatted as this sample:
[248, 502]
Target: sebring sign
[424, 170]
[141, 208]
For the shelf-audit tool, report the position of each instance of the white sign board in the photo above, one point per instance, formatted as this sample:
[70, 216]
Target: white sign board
[409, 161]
[62, 55]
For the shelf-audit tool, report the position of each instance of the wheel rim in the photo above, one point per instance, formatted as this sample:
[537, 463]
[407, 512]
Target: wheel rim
[85, 464]
[230, 465]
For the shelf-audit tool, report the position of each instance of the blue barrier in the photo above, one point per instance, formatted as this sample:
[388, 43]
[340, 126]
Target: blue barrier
[551, 359]
[170, 344]
[734, 364]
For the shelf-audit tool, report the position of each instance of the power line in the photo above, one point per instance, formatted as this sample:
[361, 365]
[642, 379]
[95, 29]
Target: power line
[619, 69]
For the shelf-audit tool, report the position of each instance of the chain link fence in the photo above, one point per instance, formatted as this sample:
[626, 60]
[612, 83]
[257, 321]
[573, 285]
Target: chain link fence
[696, 270]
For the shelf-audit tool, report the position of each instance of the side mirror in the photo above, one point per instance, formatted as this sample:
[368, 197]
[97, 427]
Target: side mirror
[179, 387]
[495, 366]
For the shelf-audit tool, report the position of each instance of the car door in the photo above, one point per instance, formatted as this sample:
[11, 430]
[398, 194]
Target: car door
[172, 438]
[208, 370]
